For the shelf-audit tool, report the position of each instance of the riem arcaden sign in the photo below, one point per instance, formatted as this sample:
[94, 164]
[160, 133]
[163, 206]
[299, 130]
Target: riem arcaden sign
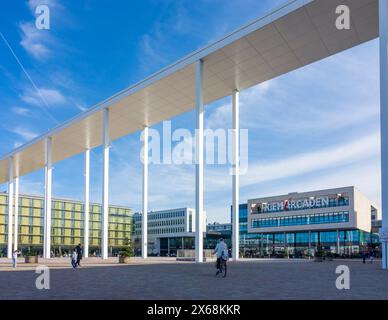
[288, 205]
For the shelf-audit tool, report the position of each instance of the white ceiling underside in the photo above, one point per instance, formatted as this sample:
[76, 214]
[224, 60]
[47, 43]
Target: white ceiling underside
[294, 35]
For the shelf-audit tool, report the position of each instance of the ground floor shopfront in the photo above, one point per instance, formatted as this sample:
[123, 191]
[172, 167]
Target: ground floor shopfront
[296, 244]
[169, 246]
[304, 244]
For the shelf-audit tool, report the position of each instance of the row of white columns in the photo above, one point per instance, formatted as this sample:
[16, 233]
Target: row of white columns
[199, 178]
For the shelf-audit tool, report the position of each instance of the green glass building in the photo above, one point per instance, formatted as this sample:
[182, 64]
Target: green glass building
[67, 225]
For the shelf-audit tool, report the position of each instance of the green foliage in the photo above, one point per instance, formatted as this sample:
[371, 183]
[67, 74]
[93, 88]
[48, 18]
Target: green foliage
[31, 252]
[319, 253]
[127, 249]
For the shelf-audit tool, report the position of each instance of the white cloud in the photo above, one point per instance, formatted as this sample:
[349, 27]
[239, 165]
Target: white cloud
[264, 171]
[21, 111]
[24, 133]
[41, 44]
[51, 96]
[32, 4]
[339, 155]
[35, 42]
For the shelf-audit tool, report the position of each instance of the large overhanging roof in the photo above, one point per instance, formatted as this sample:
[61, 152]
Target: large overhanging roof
[292, 36]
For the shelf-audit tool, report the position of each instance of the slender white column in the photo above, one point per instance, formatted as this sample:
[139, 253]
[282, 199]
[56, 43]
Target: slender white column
[338, 242]
[199, 162]
[10, 206]
[383, 21]
[16, 222]
[86, 204]
[105, 184]
[144, 223]
[47, 198]
[236, 173]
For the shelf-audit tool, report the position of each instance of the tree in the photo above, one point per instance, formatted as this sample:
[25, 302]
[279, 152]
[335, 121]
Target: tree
[127, 249]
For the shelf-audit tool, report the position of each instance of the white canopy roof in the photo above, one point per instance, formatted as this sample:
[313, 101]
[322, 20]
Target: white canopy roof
[292, 36]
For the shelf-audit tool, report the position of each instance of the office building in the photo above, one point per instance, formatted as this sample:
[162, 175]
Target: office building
[168, 231]
[67, 225]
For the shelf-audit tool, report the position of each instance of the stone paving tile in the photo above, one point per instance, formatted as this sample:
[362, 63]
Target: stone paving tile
[158, 280]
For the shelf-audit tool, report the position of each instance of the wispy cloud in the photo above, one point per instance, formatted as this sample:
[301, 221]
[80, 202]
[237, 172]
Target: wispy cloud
[361, 148]
[42, 44]
[54, 4]
[24, 133]
[36, 42]
[21, 111]
[51, 96]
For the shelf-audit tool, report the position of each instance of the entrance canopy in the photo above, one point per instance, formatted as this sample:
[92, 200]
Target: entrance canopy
[292, 36]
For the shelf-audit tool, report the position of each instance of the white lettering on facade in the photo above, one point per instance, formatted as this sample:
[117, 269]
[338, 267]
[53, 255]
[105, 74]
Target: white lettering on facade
[299, 204]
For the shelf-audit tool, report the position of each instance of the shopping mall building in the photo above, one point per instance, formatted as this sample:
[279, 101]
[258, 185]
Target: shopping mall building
[67, 225]
[340, 220]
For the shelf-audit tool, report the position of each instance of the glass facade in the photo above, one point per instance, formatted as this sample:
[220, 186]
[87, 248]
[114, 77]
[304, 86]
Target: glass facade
[299, 244]
[67, 225]
[322, 218]
[169, 246]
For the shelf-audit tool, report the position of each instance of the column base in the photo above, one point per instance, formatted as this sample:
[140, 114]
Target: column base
[384, 251]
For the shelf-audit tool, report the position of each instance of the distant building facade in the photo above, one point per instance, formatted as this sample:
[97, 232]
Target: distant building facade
[168, 231]
[341, 220]
[67, 225]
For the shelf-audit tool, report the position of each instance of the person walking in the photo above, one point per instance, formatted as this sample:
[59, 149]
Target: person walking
[363, 255]
[371, 255]
[79, 255]
[221, 252]
[15, 258]
[73, 258]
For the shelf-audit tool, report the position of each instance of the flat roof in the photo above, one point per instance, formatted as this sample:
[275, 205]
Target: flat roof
[294, 35]
[64, 199]
[305, 193]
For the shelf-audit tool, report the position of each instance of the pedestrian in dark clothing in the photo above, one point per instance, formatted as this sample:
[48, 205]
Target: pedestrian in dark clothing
[79, 254]
[363, 256]
[371, 255]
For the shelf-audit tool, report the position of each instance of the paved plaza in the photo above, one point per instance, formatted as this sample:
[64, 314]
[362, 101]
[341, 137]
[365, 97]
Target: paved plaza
[167, 279]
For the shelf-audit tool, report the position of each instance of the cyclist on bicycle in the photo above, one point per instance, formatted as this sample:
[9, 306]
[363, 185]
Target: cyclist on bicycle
[221, 252]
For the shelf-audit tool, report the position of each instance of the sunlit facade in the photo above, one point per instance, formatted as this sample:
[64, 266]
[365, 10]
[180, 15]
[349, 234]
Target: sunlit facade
[67, 225]
[340, 220]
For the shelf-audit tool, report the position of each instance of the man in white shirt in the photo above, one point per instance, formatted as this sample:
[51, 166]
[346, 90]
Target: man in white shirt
[221, 252]
[15, 258]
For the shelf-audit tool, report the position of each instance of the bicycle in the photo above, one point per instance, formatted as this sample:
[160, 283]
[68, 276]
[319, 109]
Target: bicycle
[223, 269]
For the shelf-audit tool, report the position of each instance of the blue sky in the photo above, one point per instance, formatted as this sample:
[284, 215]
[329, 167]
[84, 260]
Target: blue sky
[314, 128]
